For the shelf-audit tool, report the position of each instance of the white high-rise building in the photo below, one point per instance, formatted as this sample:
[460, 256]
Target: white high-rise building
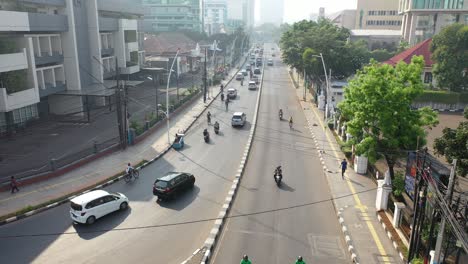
[215, 12]
[59, 53]
[241, 12]
[272, 11]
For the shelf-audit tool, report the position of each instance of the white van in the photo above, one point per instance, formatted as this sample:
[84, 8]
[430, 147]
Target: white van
[252, 85]
[88, 207]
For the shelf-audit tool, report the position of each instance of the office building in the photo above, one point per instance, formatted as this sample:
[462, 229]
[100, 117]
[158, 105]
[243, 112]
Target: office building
[240, 13]
[378, 14]
[173, 15]
[424, 18]
[344, 18]
[215, 16]
[272, 11]
[56, 54]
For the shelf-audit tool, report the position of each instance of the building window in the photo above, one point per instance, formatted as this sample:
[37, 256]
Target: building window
[428, 77]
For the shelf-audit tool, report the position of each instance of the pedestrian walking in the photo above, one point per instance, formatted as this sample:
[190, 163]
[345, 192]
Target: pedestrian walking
[222, 88]
[242, 81]
[227, 103]
[13, 184]
[344, 166]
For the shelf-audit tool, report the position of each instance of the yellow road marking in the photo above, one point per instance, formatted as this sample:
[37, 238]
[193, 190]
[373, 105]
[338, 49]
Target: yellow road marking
[359, 205]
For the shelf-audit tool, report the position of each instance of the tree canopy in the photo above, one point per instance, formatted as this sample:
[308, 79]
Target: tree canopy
[377, 107]
[450, 54]
[453, 144]
[322, 37]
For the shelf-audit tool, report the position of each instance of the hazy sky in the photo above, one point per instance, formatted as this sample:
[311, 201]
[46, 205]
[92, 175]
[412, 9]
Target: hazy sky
[295, 10]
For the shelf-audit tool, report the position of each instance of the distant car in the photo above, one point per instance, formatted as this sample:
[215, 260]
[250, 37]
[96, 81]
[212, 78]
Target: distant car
[273, 55]
[272, 48]
[248, 67]
[238, 119]
[239, 76]
[88, 207]
[252, 85]
[172, 184]
[231, 93]
[257, 71]
[244, 72]
[258, 64]
[270, 62]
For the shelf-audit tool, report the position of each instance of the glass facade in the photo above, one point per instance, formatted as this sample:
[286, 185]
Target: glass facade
[438, 4]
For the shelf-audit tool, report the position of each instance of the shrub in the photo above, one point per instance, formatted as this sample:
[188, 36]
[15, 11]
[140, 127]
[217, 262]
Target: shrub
[398, 184]
[417, 261]
[444, 97]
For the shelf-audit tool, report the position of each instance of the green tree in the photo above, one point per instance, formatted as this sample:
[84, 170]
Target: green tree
[450, 54]
[453, 144]
[343, 57]
[381, 55]
[378, 111]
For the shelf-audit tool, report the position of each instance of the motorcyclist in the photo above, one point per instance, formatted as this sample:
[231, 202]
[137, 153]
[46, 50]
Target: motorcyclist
[245, 260]
[205, 132]
[222, 87]
[300, 261]
[216, 125]
[279, 173]
[280, 113]
[290, 121]
[222, 96]
[208, 116]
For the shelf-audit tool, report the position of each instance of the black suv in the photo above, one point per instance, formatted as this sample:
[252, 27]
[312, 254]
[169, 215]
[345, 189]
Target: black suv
[172, 183]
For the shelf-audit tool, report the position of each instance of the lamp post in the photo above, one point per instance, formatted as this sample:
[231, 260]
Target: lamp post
[167, 95]
[327, 84]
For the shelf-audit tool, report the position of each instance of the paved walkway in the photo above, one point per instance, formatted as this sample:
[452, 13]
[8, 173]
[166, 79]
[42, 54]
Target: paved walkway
[354, 194]
[103, 168]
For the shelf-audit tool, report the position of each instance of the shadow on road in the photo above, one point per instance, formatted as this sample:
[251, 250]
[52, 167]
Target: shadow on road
[102, 225]
[181, 200]
[285, 187]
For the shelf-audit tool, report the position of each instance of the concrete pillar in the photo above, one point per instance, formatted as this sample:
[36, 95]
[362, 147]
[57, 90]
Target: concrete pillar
[397, 215]
[432, 253]
[383, 191]
[360, 164]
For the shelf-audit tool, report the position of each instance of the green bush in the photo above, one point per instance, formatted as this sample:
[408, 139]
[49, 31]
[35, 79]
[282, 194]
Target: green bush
[444, 97]
[14, 81]
[139, 129]
[417, 261]
[398, 184]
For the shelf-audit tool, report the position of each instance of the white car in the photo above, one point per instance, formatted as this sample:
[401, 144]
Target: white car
[232, 93]
[252, 85]
[88, 207]
[238, 119]
[239, 76]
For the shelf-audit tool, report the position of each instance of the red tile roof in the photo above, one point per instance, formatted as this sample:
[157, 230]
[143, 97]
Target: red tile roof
[167, 43]
[418, 50]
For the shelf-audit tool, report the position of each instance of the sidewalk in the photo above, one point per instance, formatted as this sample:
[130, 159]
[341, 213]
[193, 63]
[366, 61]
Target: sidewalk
[102, 169]
[354, 196]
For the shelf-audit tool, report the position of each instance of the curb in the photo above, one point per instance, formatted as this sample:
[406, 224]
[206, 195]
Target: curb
[210, 242]
[347, 236]
[109, 182]
[389, 235]
[339, 212]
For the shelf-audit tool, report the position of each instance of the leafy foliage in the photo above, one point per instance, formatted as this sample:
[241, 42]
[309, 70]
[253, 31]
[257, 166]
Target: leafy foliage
[306, 38]
[377, 106]
[398, 184]
[450, 54]
[453, 144]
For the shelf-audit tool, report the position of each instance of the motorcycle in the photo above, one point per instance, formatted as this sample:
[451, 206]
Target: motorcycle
[278, 179]
[206, 136]
[216, 129]
[280, 115]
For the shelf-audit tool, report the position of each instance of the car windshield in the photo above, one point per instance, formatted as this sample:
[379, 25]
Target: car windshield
[76, 207]
[161, 184]
[236, 117]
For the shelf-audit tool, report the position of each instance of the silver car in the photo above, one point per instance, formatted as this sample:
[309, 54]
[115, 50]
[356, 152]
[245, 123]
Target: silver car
[238, 119]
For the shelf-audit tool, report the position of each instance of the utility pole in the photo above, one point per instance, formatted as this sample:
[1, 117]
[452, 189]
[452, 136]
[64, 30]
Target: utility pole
[125, 116]
[448, 198]
[204, 77]
[157, 94]
[119, 105]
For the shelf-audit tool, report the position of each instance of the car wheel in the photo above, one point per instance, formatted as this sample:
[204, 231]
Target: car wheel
[123, 206]
[90, 220]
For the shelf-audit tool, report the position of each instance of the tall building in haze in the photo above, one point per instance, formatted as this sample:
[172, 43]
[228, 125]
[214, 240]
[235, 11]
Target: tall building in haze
[272, 11]
[240, 13]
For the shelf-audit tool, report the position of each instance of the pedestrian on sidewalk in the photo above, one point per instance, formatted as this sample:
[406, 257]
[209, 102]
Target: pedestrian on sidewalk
[13, 184]
[344, 166]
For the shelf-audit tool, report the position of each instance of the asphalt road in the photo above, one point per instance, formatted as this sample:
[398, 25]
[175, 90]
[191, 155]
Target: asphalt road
[151, 233]
[271, 224]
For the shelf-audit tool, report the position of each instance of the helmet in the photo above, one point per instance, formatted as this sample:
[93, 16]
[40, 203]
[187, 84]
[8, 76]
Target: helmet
[246, 257]
[299, 258]
[128, 164]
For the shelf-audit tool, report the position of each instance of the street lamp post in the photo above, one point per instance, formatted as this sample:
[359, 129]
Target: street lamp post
[327, 84]
[167, 96]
